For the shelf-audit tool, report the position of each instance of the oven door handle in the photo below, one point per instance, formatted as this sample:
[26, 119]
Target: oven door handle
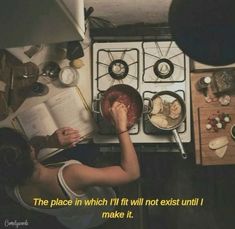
[95, 102]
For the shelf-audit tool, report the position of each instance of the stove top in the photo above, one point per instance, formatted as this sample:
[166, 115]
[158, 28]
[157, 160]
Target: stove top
[149, 67]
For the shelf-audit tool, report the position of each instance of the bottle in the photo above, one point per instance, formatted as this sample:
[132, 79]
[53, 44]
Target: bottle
[203, 83]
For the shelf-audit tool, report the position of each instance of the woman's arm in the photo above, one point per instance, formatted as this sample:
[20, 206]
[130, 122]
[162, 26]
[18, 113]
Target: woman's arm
[129, 160]
[61, 138]
[82, 176]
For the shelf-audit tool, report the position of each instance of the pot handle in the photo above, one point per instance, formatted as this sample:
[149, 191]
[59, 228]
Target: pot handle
[93, 106]
[178, 140]
[148, 108]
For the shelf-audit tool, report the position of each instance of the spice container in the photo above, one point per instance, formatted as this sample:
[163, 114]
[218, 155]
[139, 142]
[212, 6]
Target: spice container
[68, 76]
[203, 83]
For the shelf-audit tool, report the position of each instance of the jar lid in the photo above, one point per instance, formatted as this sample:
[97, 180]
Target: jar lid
[207, 79]
[68, 76]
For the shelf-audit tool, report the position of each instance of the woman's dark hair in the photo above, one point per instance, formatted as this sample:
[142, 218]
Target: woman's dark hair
[16, 164]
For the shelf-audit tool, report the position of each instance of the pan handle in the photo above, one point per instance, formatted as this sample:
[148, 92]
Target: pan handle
[148, 108]
[178, 140]
[93, 106]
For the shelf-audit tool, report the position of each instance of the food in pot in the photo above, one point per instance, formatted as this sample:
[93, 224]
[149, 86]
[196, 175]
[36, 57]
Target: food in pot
[157, 105]
[175, 109]
[159, 120]
[165, 114]
[127, 100]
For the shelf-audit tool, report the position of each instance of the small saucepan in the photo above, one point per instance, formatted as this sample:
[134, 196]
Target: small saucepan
[167, 112]
[122, 93]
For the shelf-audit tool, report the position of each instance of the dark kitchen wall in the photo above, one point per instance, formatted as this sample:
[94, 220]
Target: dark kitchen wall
[132, 11]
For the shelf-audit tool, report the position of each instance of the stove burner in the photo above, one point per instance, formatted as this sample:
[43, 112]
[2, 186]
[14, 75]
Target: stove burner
[118, 69]
[163, 62]
[163, 68]
[117, 66]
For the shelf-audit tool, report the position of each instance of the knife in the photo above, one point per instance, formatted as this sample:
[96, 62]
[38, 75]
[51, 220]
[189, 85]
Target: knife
[10, 91]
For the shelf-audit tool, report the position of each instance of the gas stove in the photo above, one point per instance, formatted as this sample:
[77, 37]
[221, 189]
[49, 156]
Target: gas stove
[149, 67]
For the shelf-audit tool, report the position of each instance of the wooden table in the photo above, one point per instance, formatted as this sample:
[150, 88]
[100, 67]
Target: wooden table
[201, 111]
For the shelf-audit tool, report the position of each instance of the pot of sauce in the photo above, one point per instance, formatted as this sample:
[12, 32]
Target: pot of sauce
[122, 93]
[167, 111]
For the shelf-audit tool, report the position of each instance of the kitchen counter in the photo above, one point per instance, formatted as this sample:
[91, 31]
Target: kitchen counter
[84, 81]
[201, 111]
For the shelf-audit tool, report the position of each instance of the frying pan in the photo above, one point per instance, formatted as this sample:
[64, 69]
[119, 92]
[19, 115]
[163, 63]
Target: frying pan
[122, 93]
[167, 98]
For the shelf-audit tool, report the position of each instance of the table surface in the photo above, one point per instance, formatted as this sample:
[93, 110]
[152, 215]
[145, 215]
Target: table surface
[201, 111]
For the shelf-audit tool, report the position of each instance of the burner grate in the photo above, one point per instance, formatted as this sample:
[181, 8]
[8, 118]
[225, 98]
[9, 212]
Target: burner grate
[163, 62]
[117, 67]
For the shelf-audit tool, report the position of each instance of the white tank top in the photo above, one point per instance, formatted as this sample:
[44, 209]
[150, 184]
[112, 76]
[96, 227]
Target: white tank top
[74, 217]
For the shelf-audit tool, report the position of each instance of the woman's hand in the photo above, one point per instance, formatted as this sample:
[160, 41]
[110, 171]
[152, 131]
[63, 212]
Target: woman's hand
[64, 137]
[119, 115]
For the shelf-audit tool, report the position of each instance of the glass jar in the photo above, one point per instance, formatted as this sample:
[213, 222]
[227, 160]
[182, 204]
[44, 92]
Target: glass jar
[68, 76]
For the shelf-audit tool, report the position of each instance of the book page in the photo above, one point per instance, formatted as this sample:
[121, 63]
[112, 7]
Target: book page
[68, 110]
[37, 121]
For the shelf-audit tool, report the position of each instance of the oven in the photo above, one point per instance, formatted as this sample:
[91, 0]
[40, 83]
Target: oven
[149, 67]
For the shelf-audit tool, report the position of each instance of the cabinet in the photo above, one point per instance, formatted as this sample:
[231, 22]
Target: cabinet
[28, 22]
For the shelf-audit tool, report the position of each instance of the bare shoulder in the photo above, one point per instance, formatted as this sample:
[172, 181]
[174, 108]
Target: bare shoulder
[71, 171]
[74, 170]
[75, 175]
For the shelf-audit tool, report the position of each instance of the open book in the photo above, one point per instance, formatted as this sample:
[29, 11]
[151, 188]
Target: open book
[66, 109]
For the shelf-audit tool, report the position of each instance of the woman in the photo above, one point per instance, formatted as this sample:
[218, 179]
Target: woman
[26, 178]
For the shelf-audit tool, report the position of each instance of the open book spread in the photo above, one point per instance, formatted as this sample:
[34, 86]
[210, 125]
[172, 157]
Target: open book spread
[65, 109]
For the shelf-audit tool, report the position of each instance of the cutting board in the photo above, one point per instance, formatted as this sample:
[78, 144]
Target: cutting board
[208, 156]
